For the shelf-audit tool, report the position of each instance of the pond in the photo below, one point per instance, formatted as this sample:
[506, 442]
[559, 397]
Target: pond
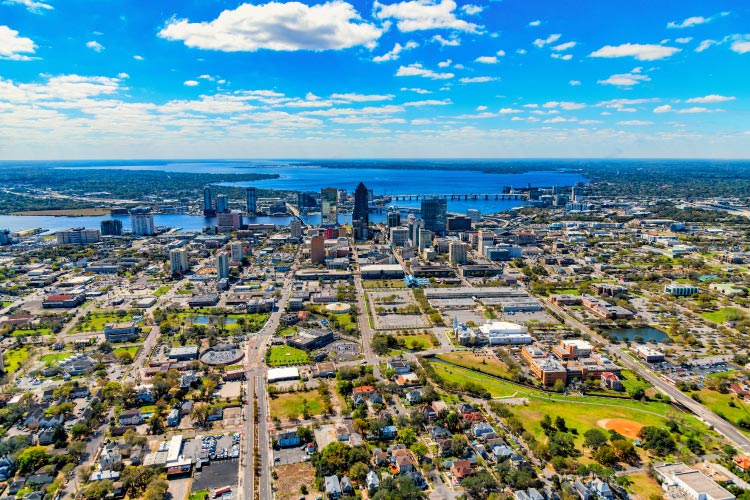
[206, 320]
[641, 334]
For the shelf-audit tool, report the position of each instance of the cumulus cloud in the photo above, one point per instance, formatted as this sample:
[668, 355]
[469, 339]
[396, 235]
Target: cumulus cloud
[419, 15]
[500, 53]
[564, 46]
[566, 105]
[535, 23]
[695, 21]
[417, 69]
[453, 41]
[541, 42]
[478, 79]
[362, 97]
[635, 122]
[626, 79]
[191, 83]
[686, 39]
[486, 59]
[15, 47]
[472, 9]
[277, 26]
[564, 57]
[665, 108]
[395, 52]
[95, 46]
[415, 90]
[741, 47]
[642, 52]
[428, 102]
[574, 83]
[31, 5]
[138, 58]
[710, 99]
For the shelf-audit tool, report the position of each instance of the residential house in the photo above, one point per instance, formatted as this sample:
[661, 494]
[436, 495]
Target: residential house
[346, 485]
[372, 481]
[399, 365]
[51, 421]
[483, 429]
[601, 489]
[7, 467]
[438, 432]
[388, 432]
[332, 486]
[173, 419]
[130, 417]
[46, 436]
[439, 406]
[144, 394]
[217, 413]
[444, 447]
[379, 458]
[403, 461]
[417, 478]
[413, 396]
[110, 457]
[288, 438]
[465, 408]
[461, 469]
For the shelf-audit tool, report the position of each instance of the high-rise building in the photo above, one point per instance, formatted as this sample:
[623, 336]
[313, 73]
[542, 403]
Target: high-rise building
[295, 227]
[434, 214]
[329, 207]
[142, 221]
[361, 214]
[457, 252]
[474, 214]
[305, 201]
[317, 249]
[77, 236]
[251, 196]
[414, 226]
[393, 218]
[237, 250]
[178, 261]
[5, 237]
[222, 204]
[576, 194]
[458, 223]
[425, 239]
[228, 221]
[112, 227]
[208, 208]
[485, 239]
[222, 265]
[399, 236]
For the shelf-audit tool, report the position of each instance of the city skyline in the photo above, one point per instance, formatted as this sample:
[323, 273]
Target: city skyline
[415, 78]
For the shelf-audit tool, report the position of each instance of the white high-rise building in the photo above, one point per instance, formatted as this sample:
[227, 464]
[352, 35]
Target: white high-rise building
[178, 261]
[457, 251]
[78, 236]
[142, 221]
[399, 236]
[425, 239]
[486, 239]
[222, 265]
[237, 251]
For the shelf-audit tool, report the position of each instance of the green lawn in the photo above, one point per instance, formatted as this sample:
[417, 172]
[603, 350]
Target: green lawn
[369, 284]
[96, 321]
[719, 404]
[483, 363]
[417, 341]
[6, 304]
[644, 486]
[185, 291]
[50, 359]
[630, 381]
[38, 331]
[149, 409]
[290, 330]
[566, 291]
[282, 355]
[723, 315]
[14, 358]
[132, 349]
[285, 405]
[198, 495]
[162, 290]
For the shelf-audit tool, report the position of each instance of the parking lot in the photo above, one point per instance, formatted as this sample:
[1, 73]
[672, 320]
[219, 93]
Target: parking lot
[292, 455]
[216, 475]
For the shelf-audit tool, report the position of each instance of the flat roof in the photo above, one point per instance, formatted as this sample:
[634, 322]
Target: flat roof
[283, 373]
[175, 446]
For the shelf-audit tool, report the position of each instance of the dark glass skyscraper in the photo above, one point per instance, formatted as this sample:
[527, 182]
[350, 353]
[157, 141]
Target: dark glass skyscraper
[251, 197]
[434, 214]
[361, 215]
[208, 209]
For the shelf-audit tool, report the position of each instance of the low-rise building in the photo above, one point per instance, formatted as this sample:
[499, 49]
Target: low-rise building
[121, 332]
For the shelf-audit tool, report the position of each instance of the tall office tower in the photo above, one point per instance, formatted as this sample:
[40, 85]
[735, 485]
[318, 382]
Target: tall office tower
[78, 236]
[305, 201]
[251, 196]
[414, 226]
[576, 194]
[142, 221]
[474, 214]
[178, 261]
[393, 218]
[317, 249]
[111, 227]
[329, 207]
[361, 215]
[237, 251]
[457, 252]
[295, 227]
[5, 237]
[425, 239]
[399, 236]
[485, 239]
[208, 208]
[222, 204]
[434, 214]
[222, 265]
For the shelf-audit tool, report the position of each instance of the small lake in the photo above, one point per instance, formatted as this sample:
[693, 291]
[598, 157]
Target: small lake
[206, 320]
[646, 333]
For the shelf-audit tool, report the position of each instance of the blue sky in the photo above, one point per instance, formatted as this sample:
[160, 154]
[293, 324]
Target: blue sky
[357, 78]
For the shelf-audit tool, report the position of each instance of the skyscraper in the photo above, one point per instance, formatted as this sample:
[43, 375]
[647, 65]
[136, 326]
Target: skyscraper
[222, 204]
[251, 197]
[222, 265]
[141, 221]
[394, 218]
[425, 239]
[208, 209]
[361, 215]
[295, 227]
[111, 227]
[317, 249]
[178, 261]
[457, 252]
[434, 214]
[474, 214]
[329, 207]
[237, 251]
[414, 226]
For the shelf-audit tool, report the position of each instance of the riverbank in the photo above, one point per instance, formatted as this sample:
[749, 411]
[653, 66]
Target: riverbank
[75, 212]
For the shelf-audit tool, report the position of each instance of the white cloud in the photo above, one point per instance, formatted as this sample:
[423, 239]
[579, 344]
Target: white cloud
[642, 52]
[509, 111]
[362, 97]
[429, 102]
[695, 109]
[31, 5]
[566, 105]
[95, 46]
[500, 53]
[564, 46]
[15, 47]
[665, 108]
[445, 64]
[123, 76]
[635, 122]
[686, 39]
[190, 83]
[741, 47]
[695, 21]
[486, 60]
[277, 26]
[541, 42]
[419, 15]
[481, 108]
[415, 90]
[535, 23]
[138, 58]
[395, 52]
[574, 83]
[564, 57]
[625, 79]
[453, 41]
[472, 9]
[478, 79]
[521, 51]
[710, 99]
[417, 69]
[705, 44]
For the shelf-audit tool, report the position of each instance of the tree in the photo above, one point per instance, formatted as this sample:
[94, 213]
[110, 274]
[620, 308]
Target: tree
[200, 414]
[594, 438]
[156, 424]
[419, 449]
[624, 450]
[157, 490]
[458, 445]
[407, 436]
[32, 458]
[400, 488]
[76, 449]
[657, 440]
[98, 489]
[135, 479]
[358, 472]
[480, 485]
[605, 455]
[77, 431]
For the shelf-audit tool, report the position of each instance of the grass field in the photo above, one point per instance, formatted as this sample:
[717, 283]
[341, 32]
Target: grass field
[369, 284]
[14, 358]
[483, 362]
[283, 355]
[198, 495]
[723, 315]
[719, 404]
[344, 321]
[6, 304]
[645, 487]
[37, 331]
[51, 359]
[566, 291]
[132, 349]
[630, 381]
[290, 404]
[416, 342]
[96, 321]
[162, 290]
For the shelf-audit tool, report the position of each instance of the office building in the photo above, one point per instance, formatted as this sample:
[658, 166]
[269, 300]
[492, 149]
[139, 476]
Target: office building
[251, 197]
[228, 221]
[457, 251]
[142, 221]
[111, 227]
[485, 239]
[317, 249]
[681, 289]
[222, 204]
[458, 223]
[237, 251]
[399, 236]
[425, 239]
[361, 215]
[329, 207]
[178, 261]
[77, 236]
[393, 218]
[208, 209]
[222, 265]
[305, 201]
[414, 226]
[434, 214]
[474, 214]
[295, 228]
[576, 194]
[5, 237]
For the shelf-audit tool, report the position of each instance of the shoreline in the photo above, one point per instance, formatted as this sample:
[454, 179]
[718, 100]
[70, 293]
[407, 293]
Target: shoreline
[71, 212]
